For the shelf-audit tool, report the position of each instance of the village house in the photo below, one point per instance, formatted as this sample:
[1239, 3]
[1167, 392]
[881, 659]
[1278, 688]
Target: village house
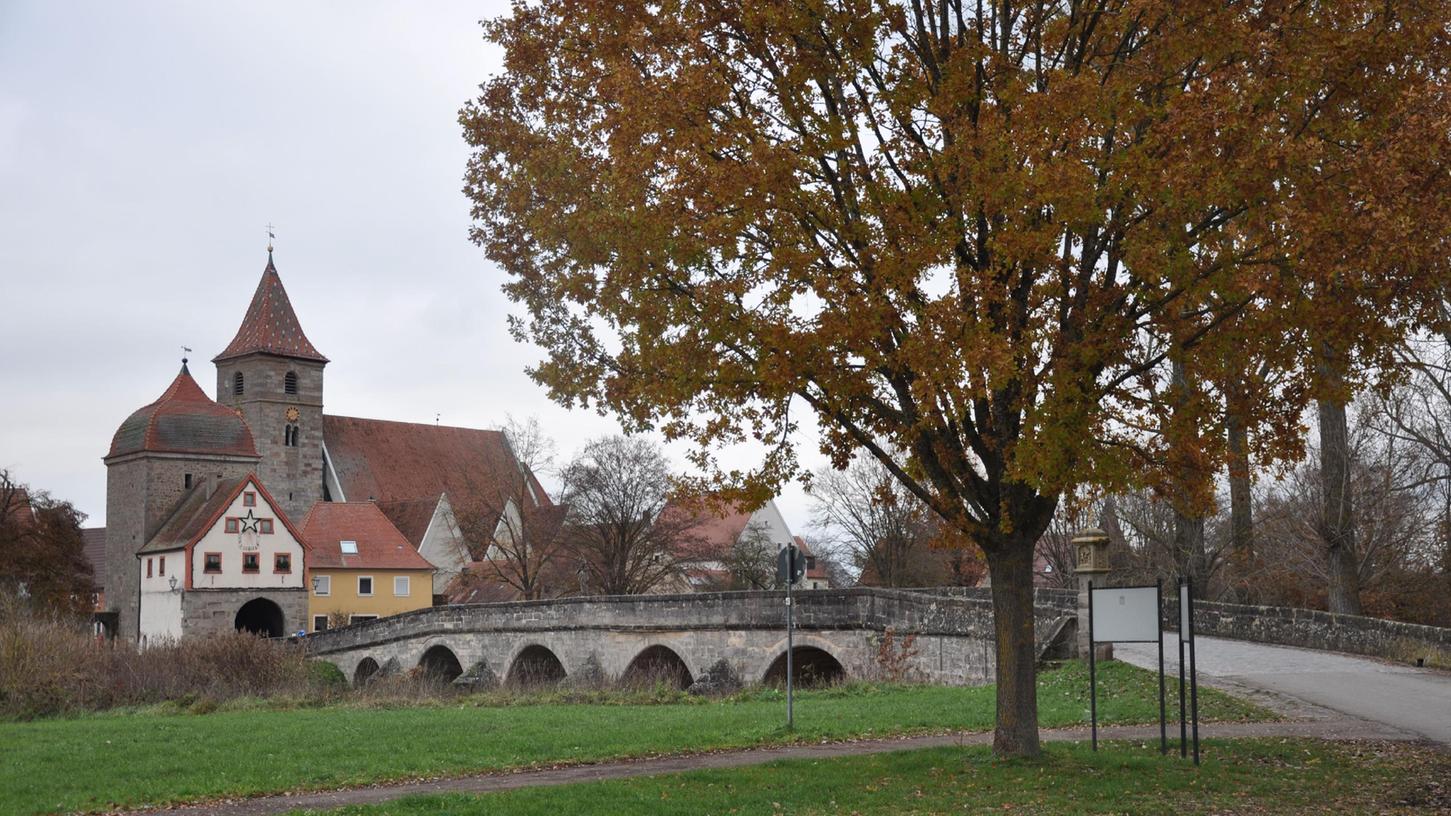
[360, 567]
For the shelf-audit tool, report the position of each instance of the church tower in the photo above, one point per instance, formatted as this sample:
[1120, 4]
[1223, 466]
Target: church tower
[273, 375]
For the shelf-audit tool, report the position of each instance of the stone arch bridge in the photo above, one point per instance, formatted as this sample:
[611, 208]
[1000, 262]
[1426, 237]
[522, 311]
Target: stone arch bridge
[702, 640]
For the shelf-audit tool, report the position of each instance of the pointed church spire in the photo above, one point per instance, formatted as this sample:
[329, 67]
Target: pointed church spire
[270, 325]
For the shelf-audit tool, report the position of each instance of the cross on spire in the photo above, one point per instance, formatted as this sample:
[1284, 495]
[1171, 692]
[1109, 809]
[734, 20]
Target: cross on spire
[271, 236]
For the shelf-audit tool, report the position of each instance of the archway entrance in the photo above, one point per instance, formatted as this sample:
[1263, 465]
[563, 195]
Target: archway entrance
[535, 666]
[367, 667]
[440, 664]
[260, 616]
[657, 665]
[811, 667]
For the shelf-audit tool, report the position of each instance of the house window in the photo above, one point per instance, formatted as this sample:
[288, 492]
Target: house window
[365, 585]
[212, 562]
[232, 525]
[400, 586]
[249, 499]
[289, 383]
[186, 481]
[361, 618]
[348, 547]
[161, 566]
[237, 383]
[148, 568]
[264, 526]
[322, 585]
[319, 623]
[250, 562]
[282, 562]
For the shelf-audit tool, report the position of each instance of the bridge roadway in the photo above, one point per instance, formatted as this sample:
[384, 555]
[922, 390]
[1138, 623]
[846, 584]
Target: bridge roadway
[1414, 700]
[727, 637]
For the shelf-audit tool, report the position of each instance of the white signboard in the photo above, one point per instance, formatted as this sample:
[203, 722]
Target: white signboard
[1125, 614]
[1186, 626]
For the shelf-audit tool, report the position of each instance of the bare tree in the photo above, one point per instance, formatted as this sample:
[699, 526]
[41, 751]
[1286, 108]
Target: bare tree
[511, 528]
[872, 518]
[751, 561]
[617, 489]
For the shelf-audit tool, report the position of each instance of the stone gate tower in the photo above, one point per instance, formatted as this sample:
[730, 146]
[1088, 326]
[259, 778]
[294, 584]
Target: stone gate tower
[273, 375]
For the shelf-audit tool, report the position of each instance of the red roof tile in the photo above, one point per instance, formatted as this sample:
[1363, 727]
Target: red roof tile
[270, 325]
[376, 459]
[380, 544]
[184, 420]
[95, 541]
[715, 529]
[411, 516]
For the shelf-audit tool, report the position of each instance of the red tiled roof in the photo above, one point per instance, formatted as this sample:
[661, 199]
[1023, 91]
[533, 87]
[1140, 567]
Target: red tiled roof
[816, 571]
[717, 528]
[184, 420]
[411, 516]
[270, 325]
[377, 459]
[380, 544]
[199, 511]
[95, 541]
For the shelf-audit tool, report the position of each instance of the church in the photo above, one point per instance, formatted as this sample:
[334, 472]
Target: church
[207, 499]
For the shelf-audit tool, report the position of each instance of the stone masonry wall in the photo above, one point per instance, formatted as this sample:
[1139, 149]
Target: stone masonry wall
[1313, 629]
[954, 636]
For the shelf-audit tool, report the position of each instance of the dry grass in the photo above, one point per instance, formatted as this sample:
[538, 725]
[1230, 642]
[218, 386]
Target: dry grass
[51, 665]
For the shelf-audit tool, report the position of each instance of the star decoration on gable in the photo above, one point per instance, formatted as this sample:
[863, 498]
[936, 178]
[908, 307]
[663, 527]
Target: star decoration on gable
[250, 522]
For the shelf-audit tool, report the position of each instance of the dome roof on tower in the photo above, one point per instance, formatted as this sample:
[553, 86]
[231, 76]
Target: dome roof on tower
[184, 420]
[270, 326]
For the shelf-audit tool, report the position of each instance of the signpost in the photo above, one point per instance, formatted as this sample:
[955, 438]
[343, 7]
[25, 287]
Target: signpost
[1186, 638]
[790, 566]
[1124, 615]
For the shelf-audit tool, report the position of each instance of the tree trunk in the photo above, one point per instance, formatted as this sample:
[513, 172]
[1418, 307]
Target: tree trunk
[1011, 568]
[1187, 473]
[1241, 520]
[1337, 523]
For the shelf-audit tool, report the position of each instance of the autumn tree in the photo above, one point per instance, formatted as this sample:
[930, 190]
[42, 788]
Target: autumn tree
[617, 490]
[965, 237]
[42, 551]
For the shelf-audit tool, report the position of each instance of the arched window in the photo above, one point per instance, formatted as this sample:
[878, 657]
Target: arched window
[289, 383]
[237, 383]
[289, 435]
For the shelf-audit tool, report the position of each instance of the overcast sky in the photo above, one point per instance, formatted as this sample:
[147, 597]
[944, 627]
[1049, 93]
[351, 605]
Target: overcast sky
[143, 149]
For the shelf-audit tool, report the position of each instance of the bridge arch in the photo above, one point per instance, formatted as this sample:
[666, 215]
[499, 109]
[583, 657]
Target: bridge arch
[535, 665]
[440, 664]
[658, 664]
[811, 666]
[366, 668]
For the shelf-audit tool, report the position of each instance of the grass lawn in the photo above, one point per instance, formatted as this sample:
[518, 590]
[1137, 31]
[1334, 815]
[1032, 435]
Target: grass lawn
[1240, 776]
[129, 759]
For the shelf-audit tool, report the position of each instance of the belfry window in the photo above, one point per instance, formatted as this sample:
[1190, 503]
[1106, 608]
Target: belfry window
[289, 435]
[289, 383]
[237, 385]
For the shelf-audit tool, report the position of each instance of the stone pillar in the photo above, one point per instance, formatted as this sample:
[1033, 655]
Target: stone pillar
[1091, 547]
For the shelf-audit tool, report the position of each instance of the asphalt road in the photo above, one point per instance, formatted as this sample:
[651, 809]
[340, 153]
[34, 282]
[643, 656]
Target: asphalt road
[1414, 700]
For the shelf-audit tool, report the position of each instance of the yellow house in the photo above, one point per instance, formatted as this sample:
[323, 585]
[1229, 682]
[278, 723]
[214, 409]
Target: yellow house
[360, 567]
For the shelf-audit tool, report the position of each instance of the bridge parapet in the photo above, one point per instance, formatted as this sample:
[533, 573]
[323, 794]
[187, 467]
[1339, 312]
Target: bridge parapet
[954, 634]
[1315, 629]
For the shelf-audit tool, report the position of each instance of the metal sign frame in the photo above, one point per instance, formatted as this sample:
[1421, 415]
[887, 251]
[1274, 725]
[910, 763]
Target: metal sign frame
[1186, 639]
[787, 561]
[1093, 662]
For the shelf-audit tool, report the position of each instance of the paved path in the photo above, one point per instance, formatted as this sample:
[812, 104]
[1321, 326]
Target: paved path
[1338, 728]
[1297, 681]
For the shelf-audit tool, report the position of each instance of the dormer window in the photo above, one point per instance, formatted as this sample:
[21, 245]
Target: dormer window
[237, 385]
[289, 383]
